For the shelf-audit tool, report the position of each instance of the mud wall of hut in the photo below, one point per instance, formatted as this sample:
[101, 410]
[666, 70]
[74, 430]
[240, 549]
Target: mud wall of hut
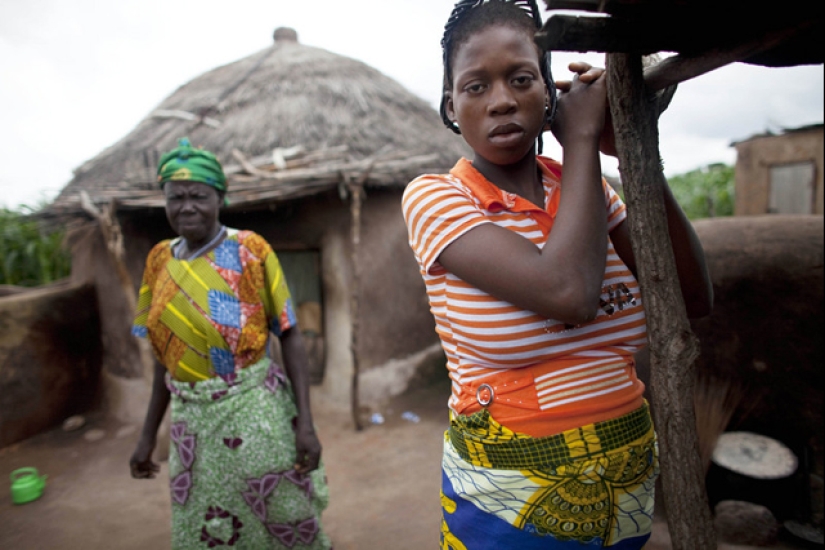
[762, 352]
[50, 358]
[765, 334]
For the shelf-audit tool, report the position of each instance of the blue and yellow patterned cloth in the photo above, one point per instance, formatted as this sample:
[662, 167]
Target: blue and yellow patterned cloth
[590, 487]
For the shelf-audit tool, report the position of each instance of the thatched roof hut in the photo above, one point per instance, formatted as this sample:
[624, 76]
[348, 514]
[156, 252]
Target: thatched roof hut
[286, 96]
[318, 149]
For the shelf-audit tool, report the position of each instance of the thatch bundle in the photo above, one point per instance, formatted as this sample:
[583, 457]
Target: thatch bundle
[347, 120]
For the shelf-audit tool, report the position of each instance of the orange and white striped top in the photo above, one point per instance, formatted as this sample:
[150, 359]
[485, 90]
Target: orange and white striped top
[542, 376]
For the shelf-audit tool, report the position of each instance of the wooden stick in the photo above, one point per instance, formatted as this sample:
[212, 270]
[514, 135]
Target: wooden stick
[673, 346]
[356, 192]
[611, 34]
[186, 115]
[113, 239]
[680, 68]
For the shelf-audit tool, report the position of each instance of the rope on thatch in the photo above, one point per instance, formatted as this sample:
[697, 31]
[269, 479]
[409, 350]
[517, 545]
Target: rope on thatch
[293, 157]
[281, 154]
[201, 117]
[186, 115]
[235, 85]
[248, 166]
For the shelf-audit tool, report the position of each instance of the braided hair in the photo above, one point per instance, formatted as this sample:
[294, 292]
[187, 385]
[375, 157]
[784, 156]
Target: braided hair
[469, 17]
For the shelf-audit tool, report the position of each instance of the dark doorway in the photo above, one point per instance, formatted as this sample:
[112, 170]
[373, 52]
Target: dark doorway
[302, 269]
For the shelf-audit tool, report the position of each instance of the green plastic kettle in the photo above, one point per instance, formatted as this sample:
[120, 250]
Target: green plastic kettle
[26, 485]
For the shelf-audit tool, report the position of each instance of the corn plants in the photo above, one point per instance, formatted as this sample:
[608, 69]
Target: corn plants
[29, 256]
[705, 193]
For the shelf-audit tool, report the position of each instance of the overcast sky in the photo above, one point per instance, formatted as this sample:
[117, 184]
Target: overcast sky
[75, 77]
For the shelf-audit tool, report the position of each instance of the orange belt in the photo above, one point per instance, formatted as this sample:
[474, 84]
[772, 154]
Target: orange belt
[511, 398]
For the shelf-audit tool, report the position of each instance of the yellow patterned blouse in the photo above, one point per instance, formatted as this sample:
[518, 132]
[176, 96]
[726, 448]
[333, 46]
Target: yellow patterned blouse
[212, 315]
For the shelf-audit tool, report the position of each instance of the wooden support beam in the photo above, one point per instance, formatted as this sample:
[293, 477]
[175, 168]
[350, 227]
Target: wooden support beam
[783, 43]
[673, 346]
[357, 193]
[603, 34]
[680, 68]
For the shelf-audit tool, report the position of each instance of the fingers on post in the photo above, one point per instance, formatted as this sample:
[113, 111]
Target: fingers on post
[563, 86]
[578, 66]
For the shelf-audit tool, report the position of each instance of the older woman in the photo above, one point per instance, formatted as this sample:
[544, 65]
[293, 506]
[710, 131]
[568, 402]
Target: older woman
[244, 463]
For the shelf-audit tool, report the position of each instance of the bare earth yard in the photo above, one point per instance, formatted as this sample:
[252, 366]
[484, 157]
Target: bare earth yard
[384, 485]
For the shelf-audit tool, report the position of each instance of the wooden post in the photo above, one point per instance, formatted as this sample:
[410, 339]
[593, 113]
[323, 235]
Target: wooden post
[673, 346]
[109, 228]
[356, 191]
[113, 237]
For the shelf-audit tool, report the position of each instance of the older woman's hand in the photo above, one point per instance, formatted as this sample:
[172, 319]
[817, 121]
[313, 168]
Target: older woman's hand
[308, 450]
[141, 464]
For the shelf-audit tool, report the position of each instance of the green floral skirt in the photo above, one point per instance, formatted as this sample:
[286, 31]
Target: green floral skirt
[231, 465]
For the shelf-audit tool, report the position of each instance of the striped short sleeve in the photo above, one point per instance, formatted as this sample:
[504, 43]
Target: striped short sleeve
[272, 286]
[438, 210]
[279, 299]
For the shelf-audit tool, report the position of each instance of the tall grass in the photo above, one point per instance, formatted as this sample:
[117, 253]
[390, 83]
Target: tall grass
[28, 256]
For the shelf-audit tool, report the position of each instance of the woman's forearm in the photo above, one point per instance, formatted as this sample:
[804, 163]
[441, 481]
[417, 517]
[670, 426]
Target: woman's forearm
[694, 278]
[296, 364]
[157, 404]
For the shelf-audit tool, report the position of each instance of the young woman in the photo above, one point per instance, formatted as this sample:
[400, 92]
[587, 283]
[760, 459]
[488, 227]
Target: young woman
[244, 463]
[531, 280]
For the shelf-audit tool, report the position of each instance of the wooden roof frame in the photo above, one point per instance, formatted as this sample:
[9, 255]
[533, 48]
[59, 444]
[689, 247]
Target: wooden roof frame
[705, 34]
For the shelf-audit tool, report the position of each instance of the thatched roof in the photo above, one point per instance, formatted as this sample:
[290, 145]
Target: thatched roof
[350, 122]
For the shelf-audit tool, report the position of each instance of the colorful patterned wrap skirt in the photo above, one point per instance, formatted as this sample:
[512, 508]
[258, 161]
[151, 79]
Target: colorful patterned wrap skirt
[591, 487]
[231, 465]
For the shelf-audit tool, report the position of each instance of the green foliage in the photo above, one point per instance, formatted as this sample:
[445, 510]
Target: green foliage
[29, 256]
[706, 192]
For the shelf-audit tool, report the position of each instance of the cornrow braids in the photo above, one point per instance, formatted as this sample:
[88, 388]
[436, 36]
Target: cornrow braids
[471, 16]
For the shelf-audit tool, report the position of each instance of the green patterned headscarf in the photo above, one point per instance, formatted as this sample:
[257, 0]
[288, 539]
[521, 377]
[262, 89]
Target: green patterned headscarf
[186, 163]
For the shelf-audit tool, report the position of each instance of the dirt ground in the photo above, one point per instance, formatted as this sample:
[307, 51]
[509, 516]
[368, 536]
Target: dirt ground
[384, 485]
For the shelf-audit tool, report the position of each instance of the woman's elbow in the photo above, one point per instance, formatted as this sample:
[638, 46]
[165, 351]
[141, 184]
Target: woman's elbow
[581, 316]
[573, 308]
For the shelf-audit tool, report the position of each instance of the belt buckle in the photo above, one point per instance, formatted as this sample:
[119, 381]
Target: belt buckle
[485, 395]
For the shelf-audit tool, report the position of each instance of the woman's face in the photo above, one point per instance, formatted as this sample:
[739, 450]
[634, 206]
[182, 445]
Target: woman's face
[498, 96]
[192, 209]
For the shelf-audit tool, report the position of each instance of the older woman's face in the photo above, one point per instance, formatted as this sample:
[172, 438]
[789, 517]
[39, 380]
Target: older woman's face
[192, 209]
